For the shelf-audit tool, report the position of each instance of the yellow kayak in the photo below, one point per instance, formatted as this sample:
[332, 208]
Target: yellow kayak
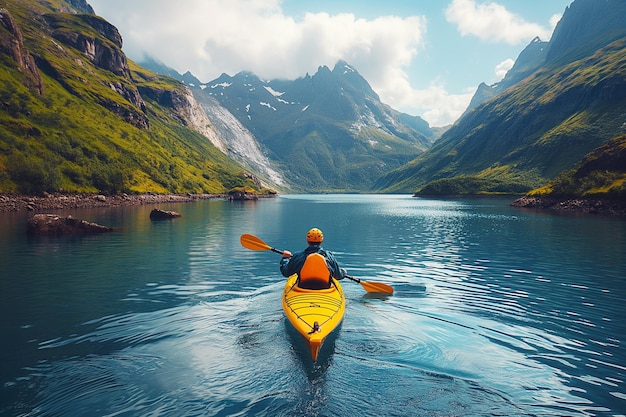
[313, 313]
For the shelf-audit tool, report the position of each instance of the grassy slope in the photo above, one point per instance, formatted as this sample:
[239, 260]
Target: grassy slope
[529, 134]
[601, 174]
[66, 140]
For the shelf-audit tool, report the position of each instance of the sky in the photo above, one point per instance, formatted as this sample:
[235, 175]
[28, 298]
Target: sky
[423, 57]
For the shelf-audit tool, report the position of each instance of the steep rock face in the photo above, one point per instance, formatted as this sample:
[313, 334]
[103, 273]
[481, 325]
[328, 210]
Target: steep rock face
[528, 61]
[100, 43]
[81, 136]
[12, 44]
[186, 109]
[241, 143]
[226, 132]
[98, 40]
[586, 26]
[132, 114]
[196, 118]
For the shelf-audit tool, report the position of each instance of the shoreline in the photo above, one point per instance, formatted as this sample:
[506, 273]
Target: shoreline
[600, 206]
[61, 201]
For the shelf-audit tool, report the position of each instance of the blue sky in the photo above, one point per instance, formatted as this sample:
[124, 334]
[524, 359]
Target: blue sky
[423, 57]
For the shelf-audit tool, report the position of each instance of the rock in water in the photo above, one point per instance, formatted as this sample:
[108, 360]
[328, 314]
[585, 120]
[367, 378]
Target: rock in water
[158, 214]
[52, 224]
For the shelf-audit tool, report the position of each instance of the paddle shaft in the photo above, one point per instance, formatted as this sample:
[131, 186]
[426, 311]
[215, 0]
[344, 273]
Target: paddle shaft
[352, 278]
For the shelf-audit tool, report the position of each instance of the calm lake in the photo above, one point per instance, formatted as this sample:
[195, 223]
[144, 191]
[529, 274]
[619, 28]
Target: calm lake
[497, 311]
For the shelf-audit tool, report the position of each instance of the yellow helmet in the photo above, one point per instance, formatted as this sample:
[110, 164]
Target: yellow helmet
[314, 235]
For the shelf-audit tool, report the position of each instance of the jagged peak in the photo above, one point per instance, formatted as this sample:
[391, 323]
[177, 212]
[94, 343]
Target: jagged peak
[322, 70]
[586, 26]
[344, 67]
[81, 6]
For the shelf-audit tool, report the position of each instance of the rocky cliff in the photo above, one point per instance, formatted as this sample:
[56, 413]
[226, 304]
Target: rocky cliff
[12, 44]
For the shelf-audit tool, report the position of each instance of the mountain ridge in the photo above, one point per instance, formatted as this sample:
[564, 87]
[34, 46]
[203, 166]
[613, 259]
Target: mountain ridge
[328, 131]
[535, 129]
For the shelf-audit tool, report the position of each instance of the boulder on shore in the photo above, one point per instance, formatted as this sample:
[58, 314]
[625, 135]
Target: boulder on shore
[158, 214]
[52, 224]
[242, 196]
[604, 206]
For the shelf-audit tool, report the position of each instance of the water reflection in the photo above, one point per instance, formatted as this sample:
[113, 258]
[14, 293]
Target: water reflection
[496, 311]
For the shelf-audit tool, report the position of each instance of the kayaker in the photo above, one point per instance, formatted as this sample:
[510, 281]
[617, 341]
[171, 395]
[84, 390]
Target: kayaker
[292, 263]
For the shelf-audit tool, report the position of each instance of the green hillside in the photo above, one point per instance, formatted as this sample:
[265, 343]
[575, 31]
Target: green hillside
[77, 116]
[527, 135]
[327, 158]
[601, 174]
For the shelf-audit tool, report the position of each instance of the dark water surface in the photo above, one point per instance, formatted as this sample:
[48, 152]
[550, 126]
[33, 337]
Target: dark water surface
[497, 311]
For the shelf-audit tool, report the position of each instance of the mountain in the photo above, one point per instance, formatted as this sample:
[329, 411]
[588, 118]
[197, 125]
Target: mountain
[76, 115]
[328, 131]
[542, 125]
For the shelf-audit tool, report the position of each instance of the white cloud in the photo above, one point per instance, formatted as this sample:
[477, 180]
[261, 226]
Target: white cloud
[435, 104]
[492, 22]
[553, 22]
[209, 37]
[502, 68]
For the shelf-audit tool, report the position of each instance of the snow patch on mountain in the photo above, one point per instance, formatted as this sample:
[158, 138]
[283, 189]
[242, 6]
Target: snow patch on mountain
[268, 105]
[223, 85]
[272, 91]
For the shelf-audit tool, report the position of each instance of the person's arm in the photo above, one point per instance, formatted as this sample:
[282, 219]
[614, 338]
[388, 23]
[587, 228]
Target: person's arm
[284, 265]
[291, 264]
[337, 272]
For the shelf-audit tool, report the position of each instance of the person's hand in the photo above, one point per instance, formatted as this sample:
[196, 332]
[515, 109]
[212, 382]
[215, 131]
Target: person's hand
[286, 254]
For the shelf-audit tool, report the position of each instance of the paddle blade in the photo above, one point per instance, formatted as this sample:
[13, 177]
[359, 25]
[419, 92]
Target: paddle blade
[253, 243]
[377, 287]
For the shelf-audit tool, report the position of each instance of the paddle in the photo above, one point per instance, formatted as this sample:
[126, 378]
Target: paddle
[254, 243]
[377, 287]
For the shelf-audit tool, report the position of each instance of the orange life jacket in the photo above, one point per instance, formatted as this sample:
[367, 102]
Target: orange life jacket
[314, 274]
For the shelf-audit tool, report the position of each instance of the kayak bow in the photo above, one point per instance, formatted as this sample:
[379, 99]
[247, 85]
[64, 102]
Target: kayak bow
[313, 313]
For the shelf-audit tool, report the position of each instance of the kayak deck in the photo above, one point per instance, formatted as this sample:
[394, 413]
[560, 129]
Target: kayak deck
[313, 313]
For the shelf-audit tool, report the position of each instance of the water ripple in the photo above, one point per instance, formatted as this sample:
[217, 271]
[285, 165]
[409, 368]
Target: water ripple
[495, 312]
